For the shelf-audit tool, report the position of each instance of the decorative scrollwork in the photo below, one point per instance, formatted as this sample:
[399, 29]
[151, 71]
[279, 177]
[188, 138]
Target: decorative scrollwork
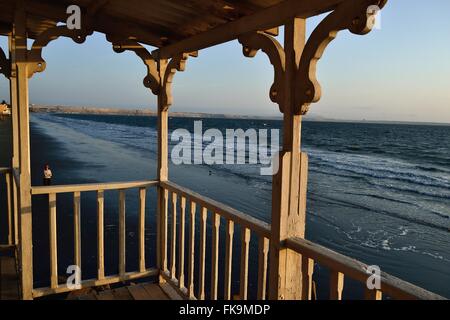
[36, 62]
[255, 41]
[5, 67]
[177, 63]
[152, 79]
[159, 76]
[350, 15]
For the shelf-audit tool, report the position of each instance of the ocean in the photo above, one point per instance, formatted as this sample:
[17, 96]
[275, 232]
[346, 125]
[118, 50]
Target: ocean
[379, 193]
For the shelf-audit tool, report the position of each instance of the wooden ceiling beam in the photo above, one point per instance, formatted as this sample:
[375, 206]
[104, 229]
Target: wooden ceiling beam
[263, 20]
[102, 23]
[5, 29]
[96, 6]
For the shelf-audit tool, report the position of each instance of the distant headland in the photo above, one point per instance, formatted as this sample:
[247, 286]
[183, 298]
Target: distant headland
[135, 112]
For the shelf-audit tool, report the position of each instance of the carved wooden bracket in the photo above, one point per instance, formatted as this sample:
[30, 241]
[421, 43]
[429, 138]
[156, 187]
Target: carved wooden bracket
[35, 60]
[177, 63]
[353, 15]
[252, 43]
[152, 79]
[5, 67]
[158, 79]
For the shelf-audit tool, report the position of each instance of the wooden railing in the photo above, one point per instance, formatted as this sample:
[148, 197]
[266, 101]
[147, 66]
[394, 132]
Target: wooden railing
[9, 210]
[100, 188]
[341, 267]
[193, 216]
[174, 273]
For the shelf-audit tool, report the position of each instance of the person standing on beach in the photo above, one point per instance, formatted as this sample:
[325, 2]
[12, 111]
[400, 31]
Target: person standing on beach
[47, 175]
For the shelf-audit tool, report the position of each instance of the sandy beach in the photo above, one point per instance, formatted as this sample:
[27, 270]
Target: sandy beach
[79, 155]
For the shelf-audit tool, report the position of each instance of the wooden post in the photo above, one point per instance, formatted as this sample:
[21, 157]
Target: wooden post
[173, 242]
[289, 184]
[263, 251]
[181, 242]
[141, 231]
[191, 255]
[53, 240]
[10, 218]
[77, 228]
[25, 240]
[122, 234]
[228, 258]
[373, 294]
[14, 129]
[202, 256]
[163, 229]
[161, 214]
[336, 285]
[215, 256]
[100, 235]
[307, 272]
[245, 246]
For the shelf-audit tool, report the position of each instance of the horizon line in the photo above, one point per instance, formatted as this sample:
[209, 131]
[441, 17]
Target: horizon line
[146, 111]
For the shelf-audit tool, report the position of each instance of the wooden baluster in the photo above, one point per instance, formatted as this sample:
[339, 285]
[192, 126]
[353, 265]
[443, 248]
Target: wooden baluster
[122, 233]
[141, 226]
[174, 236]
[53, 241]
[15, 203]
[9, 208]
[373, 294]
[307, 278]
[100, 235]
[263, 251]
[201, 277]
[245, 239]
[228, 258]
[336, 285]
[181, 239]
[191, 256]
[164, 228]
[215, 257]
[77, 228]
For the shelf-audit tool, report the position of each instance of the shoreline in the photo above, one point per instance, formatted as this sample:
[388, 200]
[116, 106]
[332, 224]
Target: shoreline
[200, 115]
[77, 157]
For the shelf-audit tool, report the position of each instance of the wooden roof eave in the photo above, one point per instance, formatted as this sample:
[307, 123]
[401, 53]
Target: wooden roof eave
[49, 12]
[265, 19]
[169, 41]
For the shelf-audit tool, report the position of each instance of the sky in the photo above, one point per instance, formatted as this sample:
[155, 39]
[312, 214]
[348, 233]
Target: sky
[400, 72]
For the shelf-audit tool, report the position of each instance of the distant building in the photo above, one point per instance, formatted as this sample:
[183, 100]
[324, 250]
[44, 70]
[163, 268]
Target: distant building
[4, 110]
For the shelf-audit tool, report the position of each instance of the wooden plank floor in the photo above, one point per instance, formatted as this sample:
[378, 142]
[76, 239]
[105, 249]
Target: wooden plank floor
[9, 279]
[142, 291]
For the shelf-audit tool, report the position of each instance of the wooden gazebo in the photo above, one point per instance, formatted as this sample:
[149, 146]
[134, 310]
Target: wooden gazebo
[178, 29]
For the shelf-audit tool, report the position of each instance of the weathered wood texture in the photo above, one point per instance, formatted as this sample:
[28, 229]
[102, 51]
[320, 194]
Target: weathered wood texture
[9, 279]
[196, 23]
[144, 291]
[180, 28]
[217, 211]
[102, 278]
[342, 266]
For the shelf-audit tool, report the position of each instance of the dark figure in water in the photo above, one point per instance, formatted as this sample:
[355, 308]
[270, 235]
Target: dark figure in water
[47, 175]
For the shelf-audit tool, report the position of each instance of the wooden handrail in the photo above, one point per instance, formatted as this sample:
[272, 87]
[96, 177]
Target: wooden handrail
[101, 279]
[255, 225]
[338, 263]
[91, 187]
[4, 170]
[218, 211]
